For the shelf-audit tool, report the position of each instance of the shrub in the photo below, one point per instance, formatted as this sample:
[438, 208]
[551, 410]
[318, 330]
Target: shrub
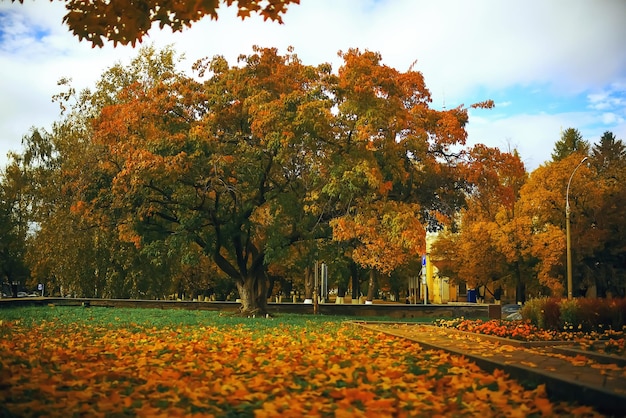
[532, 311]
[594, 314]
[570, 315]
[617, 308]
[604, 314]
[551, 313]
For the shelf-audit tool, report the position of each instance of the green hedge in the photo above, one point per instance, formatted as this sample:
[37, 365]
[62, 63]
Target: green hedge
[583, 314]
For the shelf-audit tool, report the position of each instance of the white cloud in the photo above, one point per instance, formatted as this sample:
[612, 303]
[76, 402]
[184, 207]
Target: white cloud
[466, 50]
[606, 100]
[611, 118]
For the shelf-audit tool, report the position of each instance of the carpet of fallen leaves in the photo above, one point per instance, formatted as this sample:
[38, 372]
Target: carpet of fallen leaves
[256, 368]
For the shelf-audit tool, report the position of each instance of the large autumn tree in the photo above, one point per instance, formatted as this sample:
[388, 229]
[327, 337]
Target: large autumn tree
[391, 169]
[250, 172]
[543, 199]
[127, 22]
[224, 165]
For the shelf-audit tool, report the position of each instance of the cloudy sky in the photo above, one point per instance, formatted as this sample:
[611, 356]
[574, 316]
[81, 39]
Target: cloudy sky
[548, 65]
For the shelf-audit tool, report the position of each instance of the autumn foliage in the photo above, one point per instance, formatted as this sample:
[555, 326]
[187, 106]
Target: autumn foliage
[244, 167]
[512, 231]
[247, 174]
[101, 362]
[128, 22]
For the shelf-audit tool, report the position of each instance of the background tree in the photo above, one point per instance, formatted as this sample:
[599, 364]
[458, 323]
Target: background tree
[14, 223]
[65, 174]
[221, 165]
[608, 263]
[389, 162]
[571, 142]
[491, 244]
[129, 22]
[543, 199]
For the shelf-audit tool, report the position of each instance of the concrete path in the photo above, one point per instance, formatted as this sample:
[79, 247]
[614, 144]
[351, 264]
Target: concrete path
[569, 374]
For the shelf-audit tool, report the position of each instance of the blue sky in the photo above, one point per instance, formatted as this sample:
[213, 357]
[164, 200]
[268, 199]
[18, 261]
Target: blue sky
[548, 65]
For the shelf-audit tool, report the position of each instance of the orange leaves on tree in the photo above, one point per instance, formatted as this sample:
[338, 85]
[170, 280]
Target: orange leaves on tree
[388, 236]
[497, 176]
[494, 235]
[127, 23]
[487, 104]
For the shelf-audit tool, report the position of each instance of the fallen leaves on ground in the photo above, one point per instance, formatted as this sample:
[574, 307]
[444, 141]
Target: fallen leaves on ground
[488, 347]
[318, 369]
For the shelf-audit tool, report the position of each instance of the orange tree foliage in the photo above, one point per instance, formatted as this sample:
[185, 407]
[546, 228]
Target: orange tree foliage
[597, 226]
[223, 165]
[261, 162]
[390, 169]
[127, 22]
[543, 200]
[493, 238]
[514, 229]
[105, 364]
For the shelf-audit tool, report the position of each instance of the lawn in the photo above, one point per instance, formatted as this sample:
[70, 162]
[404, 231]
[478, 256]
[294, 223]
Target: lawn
[69, 361]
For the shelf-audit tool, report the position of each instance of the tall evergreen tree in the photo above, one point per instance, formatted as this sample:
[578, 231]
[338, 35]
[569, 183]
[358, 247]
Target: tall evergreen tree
[607, 263]
[571, 141]
[609, 155]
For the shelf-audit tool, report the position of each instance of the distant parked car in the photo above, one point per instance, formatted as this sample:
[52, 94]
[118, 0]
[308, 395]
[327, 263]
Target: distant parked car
[511, 311]
[22, 294]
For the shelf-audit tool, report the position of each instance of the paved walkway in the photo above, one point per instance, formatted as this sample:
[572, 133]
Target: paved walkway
[569, 374]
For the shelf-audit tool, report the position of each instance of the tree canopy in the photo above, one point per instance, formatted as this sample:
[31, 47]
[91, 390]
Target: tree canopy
[261, 162]
[247, 174]
[513, 229]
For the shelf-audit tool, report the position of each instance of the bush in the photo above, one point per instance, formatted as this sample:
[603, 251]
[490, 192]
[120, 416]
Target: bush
[589, 314]
[582, 314]
[532, 311]
[551, 313]
[569, 315]
[617, 308]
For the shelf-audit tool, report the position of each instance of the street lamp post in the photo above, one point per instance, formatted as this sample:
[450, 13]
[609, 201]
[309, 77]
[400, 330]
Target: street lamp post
[567, 233]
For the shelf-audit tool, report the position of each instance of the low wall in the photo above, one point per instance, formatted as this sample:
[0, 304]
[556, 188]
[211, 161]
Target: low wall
[388, 310]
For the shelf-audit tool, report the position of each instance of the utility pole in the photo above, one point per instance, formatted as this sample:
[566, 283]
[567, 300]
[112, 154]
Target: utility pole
[567, 233]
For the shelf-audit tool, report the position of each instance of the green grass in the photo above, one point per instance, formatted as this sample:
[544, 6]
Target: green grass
[161, 318]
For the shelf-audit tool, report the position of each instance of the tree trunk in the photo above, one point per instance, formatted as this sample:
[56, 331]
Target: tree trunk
[520, 288]
[308, 283]
[341, 290]
[253, 292]
[371, 288]
[356, 288]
